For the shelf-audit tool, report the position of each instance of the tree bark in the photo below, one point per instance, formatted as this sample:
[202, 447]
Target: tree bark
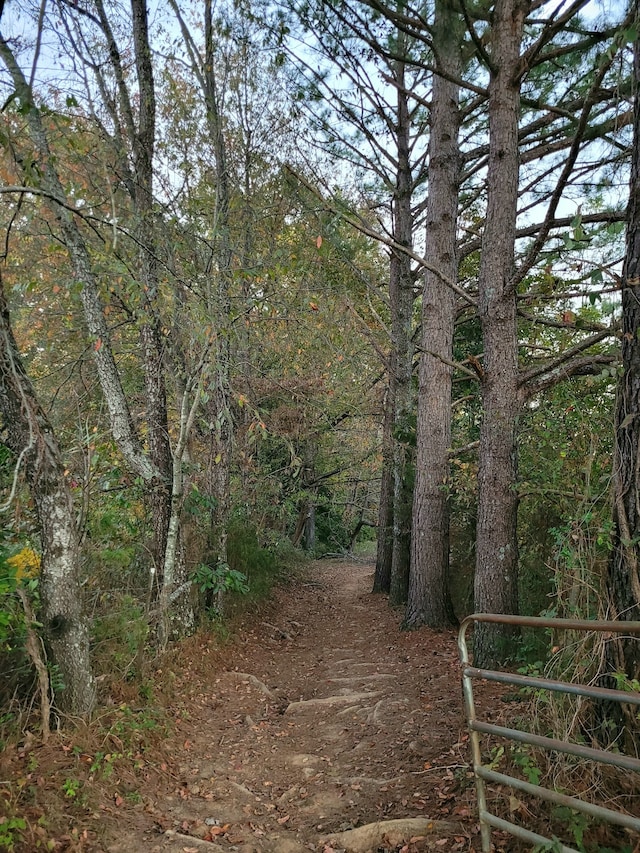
[143, 146]
[120, 417]
[382, 577]
[429, 600]
[401, 296]
[624, 566]
[175, 584]
[29, 434]
[136, 144]
[221, 436]
[496, 579]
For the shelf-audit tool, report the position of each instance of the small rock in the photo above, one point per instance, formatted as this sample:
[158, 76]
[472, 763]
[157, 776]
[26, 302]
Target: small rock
[289, 794]
[199, 830]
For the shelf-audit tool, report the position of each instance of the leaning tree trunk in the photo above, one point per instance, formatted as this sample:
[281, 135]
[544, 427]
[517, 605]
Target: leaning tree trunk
[401, 294]
[31, 437]
[496, 579]
[429, 600]
[121, 419]
[624, 567]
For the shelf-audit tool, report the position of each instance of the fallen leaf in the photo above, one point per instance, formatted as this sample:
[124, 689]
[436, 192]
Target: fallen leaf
[514, 804]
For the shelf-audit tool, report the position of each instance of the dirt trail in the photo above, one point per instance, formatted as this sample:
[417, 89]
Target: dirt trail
[326, 719]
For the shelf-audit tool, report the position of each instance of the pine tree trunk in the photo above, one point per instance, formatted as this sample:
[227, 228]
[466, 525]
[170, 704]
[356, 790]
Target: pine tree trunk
[382, 577]
[624, 567]
[401, 295]
[496, 580]
[31, 437]
[429, 600]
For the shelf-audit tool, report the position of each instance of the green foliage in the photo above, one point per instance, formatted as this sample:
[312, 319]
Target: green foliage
[120, 631]
[134, 726]
[523, 757]
[575, 822]
[629, 685]
[55, 678]
[9, 611]
[262, 565]
[19, 567]
[104, 763]
[71, 788]
[10, 832]
[220, 579]
[115, 525]
[332, 531]
[564, 516]
[582, 550]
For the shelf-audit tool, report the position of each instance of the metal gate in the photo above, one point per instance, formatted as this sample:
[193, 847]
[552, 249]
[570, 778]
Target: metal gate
[484, 773]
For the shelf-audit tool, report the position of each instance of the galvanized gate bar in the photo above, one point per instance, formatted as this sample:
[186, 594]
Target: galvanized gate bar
[557, 686]
[482, 773]
[591, 809]
[521, 832]
[615, 759]
[553, 622]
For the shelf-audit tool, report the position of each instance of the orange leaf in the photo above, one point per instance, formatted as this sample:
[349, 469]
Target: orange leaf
[97, 344]
[319, 241]
[56, 288]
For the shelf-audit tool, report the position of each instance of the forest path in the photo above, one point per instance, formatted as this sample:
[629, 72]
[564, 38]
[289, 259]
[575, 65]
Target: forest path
[322, 718]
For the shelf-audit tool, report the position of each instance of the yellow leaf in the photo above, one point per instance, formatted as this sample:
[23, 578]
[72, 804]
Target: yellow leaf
[514, 804]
